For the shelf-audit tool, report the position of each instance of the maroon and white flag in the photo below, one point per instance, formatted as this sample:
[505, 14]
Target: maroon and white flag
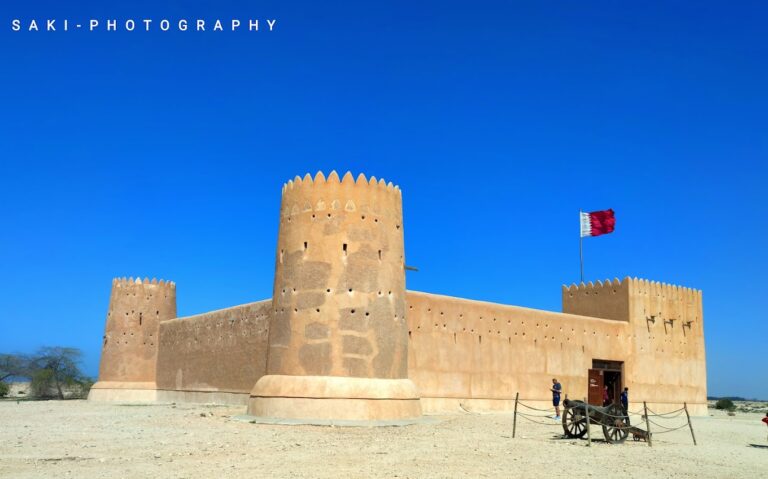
[597, 223]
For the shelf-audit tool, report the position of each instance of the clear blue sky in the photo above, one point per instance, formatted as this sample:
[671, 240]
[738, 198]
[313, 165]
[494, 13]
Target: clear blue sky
[163, 154]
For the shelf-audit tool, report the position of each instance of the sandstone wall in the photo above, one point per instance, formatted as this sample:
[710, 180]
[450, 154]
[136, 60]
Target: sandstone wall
[608, 300]
[480, 354]
[472, 350]
[221, 351]
[666, 364]
[130, 343]
[668, 357]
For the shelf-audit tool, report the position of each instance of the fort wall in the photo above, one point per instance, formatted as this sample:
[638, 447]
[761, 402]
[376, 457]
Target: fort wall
[130, 344]
[669, 360]
[214, 357]
[480, 354]
[477, 355]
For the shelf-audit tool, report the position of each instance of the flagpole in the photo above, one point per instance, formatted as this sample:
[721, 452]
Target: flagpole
[581, 252]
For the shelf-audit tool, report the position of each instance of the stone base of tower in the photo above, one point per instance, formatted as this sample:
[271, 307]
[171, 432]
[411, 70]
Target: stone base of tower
[115, 391]
[334, 398]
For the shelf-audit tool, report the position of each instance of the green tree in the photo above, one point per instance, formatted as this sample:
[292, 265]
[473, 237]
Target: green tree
[725, 404]
[4, 388]
[56, 368]
[12, 365]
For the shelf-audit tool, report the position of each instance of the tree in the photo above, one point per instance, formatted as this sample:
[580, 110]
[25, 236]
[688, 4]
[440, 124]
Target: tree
[725, 403]
[55, 367]
[12, 365]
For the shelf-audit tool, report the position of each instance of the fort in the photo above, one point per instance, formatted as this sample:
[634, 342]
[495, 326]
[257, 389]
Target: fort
[341, 337]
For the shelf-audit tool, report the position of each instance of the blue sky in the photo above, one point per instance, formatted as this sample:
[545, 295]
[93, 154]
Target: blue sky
[163, 153]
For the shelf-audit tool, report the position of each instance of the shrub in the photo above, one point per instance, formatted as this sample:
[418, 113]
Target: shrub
[42, 384]
[83, 388]
[725, 404]
[4, 388]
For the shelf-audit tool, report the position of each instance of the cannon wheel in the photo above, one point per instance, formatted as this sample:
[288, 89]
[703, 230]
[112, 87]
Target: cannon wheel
[574, 422]
[616, 424]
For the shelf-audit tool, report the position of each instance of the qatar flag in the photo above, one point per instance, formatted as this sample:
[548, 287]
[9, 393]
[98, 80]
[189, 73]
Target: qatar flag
[597, 223]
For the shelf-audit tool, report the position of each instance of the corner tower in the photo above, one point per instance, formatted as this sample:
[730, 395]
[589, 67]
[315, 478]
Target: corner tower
[127, 370]
[338, 340]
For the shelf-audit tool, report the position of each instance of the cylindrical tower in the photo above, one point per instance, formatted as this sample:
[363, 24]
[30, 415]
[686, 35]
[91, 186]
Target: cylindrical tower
[338, 340]
[129, 351]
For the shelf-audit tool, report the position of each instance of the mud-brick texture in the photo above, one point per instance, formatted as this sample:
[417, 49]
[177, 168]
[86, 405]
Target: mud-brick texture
[130, 343]
[339, 296]
[471, 350]
[219, 351]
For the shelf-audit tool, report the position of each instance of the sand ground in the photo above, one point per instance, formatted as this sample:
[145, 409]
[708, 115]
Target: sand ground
[90, 440]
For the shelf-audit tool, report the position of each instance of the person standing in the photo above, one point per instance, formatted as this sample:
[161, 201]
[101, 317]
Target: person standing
[606, 397]
[556, 390]
[624, 397]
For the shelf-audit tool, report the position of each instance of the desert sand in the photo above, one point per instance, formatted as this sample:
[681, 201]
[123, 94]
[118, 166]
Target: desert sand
[90, 440]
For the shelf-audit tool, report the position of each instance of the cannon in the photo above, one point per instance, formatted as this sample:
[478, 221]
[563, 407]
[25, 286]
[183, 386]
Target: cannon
[612, 418]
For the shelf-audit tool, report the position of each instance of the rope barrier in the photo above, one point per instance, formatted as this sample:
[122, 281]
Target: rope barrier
[528, 418]
[671, 414]
[596, 416]
[670, 430]
[666, 427]
[531, 407]
[535, 415]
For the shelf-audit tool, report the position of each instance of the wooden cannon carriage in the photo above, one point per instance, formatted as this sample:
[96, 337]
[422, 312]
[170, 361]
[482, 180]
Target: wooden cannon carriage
[613, 419]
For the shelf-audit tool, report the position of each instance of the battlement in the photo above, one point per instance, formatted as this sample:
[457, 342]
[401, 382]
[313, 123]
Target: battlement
[632, 297]
[637, 286]
[663, 290]
[321, 198]
[596, 287]
[128, 282]
[333, 179]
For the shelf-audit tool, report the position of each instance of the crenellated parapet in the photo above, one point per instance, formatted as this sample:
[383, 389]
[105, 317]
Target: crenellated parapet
[634, 299]
[130, 282]
[327, 198]
[666, 304]
[664, 290]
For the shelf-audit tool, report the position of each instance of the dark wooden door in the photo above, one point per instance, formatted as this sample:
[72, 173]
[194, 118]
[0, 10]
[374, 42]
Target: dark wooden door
[595, 387]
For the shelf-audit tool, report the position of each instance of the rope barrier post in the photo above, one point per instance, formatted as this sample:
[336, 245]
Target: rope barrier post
[586, 413]
[685, 405]
[647, 424]
[514, 420]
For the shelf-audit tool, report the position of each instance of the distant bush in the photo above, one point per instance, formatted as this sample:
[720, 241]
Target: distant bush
[726, 404]
[41, 385]
[83, 388]
[4, 388]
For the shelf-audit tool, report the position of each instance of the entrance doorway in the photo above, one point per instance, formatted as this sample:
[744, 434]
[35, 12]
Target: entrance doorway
[604, 373]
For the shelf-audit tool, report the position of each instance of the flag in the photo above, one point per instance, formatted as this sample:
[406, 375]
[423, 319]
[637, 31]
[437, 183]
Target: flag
[597, 223]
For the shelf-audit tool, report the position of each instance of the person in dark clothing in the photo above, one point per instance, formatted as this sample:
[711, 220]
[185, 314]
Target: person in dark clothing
[556, 390]
[625, 399]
